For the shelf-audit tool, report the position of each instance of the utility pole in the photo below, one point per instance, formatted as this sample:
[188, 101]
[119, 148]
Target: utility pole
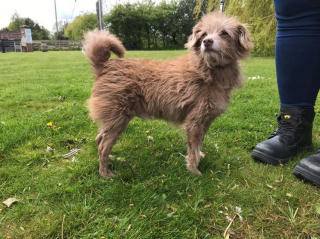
[221, 5]
[100, 14]
[55, 7]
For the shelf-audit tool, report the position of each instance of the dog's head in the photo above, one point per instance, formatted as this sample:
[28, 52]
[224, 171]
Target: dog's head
[219, 40]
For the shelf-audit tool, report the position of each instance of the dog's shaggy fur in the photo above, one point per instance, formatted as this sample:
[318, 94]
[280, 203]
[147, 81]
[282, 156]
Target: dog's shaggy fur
[192, 90]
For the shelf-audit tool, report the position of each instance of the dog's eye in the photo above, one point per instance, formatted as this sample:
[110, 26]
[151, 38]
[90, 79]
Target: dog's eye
[204, 35]
[224, 33]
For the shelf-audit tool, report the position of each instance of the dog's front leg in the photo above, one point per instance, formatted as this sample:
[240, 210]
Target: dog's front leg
[195, 133]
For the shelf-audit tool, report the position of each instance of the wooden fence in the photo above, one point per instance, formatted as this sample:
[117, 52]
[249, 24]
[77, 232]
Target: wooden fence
[58, 45]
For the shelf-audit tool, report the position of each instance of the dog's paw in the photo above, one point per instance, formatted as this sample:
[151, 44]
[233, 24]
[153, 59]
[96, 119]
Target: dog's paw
[202, 155]
[194, 170]
[106, 174]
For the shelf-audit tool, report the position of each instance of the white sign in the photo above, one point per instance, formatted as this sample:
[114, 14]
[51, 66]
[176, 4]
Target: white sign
[28, 35]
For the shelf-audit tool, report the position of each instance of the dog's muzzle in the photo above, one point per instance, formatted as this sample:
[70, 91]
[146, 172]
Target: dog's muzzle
[208, 44]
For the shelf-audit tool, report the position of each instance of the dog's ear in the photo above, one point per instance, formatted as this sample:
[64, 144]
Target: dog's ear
[193, 38]
[191, 41]
[244, 37]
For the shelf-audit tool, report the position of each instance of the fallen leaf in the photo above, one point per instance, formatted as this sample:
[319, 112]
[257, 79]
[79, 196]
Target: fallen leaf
[129, 227]
[10, 201]
[247, 185]
[270, 186]
[170, 214]
[317, 209]
[238, 209]
[279, 181]
[248, 226]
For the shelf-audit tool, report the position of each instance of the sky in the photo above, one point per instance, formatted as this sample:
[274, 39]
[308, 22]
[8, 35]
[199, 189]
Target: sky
[43, 11]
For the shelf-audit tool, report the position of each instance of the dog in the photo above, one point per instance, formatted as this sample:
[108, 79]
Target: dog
[191, 90]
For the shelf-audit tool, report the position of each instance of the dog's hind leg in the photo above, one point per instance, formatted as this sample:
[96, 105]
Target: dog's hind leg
[106, 140]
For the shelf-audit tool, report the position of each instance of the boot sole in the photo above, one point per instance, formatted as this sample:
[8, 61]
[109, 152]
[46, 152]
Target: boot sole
[265, 158]
[305, 174]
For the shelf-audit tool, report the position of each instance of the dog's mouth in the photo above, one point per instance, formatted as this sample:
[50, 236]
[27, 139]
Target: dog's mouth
[212, 57]
[210, 51]
[207, 49]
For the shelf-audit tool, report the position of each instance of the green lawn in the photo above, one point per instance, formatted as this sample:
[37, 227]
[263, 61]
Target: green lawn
[152, 194]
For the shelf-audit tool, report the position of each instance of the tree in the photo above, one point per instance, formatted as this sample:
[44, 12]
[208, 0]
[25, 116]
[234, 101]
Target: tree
[38, 32]
[186, 19]
[204, 6]
[15, 22]
[128, 23]
[83, 23]
[260, 17]
[151, 26]
[166, 21]
[147, 20]
[62, 25]
[5, 29]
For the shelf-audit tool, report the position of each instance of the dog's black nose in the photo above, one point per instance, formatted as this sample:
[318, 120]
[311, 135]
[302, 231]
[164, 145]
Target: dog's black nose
[208, 42]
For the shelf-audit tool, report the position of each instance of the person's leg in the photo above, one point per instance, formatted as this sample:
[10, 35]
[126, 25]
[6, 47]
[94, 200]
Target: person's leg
[298, 51]
[298, 78]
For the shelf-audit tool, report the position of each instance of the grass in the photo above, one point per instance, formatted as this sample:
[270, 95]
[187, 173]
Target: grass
[152, 194]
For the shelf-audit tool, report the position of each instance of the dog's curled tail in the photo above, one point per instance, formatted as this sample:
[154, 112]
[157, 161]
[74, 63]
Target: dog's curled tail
[98, 45]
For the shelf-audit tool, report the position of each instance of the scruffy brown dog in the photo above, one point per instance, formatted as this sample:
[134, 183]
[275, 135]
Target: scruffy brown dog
[193, 89]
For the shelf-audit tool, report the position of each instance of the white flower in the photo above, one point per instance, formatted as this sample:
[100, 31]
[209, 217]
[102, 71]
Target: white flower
[238, 209]
[256, 78]
[49, 149]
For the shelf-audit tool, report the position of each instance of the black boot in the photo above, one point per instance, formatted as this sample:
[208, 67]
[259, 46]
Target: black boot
[294, 134]
[309, 169]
